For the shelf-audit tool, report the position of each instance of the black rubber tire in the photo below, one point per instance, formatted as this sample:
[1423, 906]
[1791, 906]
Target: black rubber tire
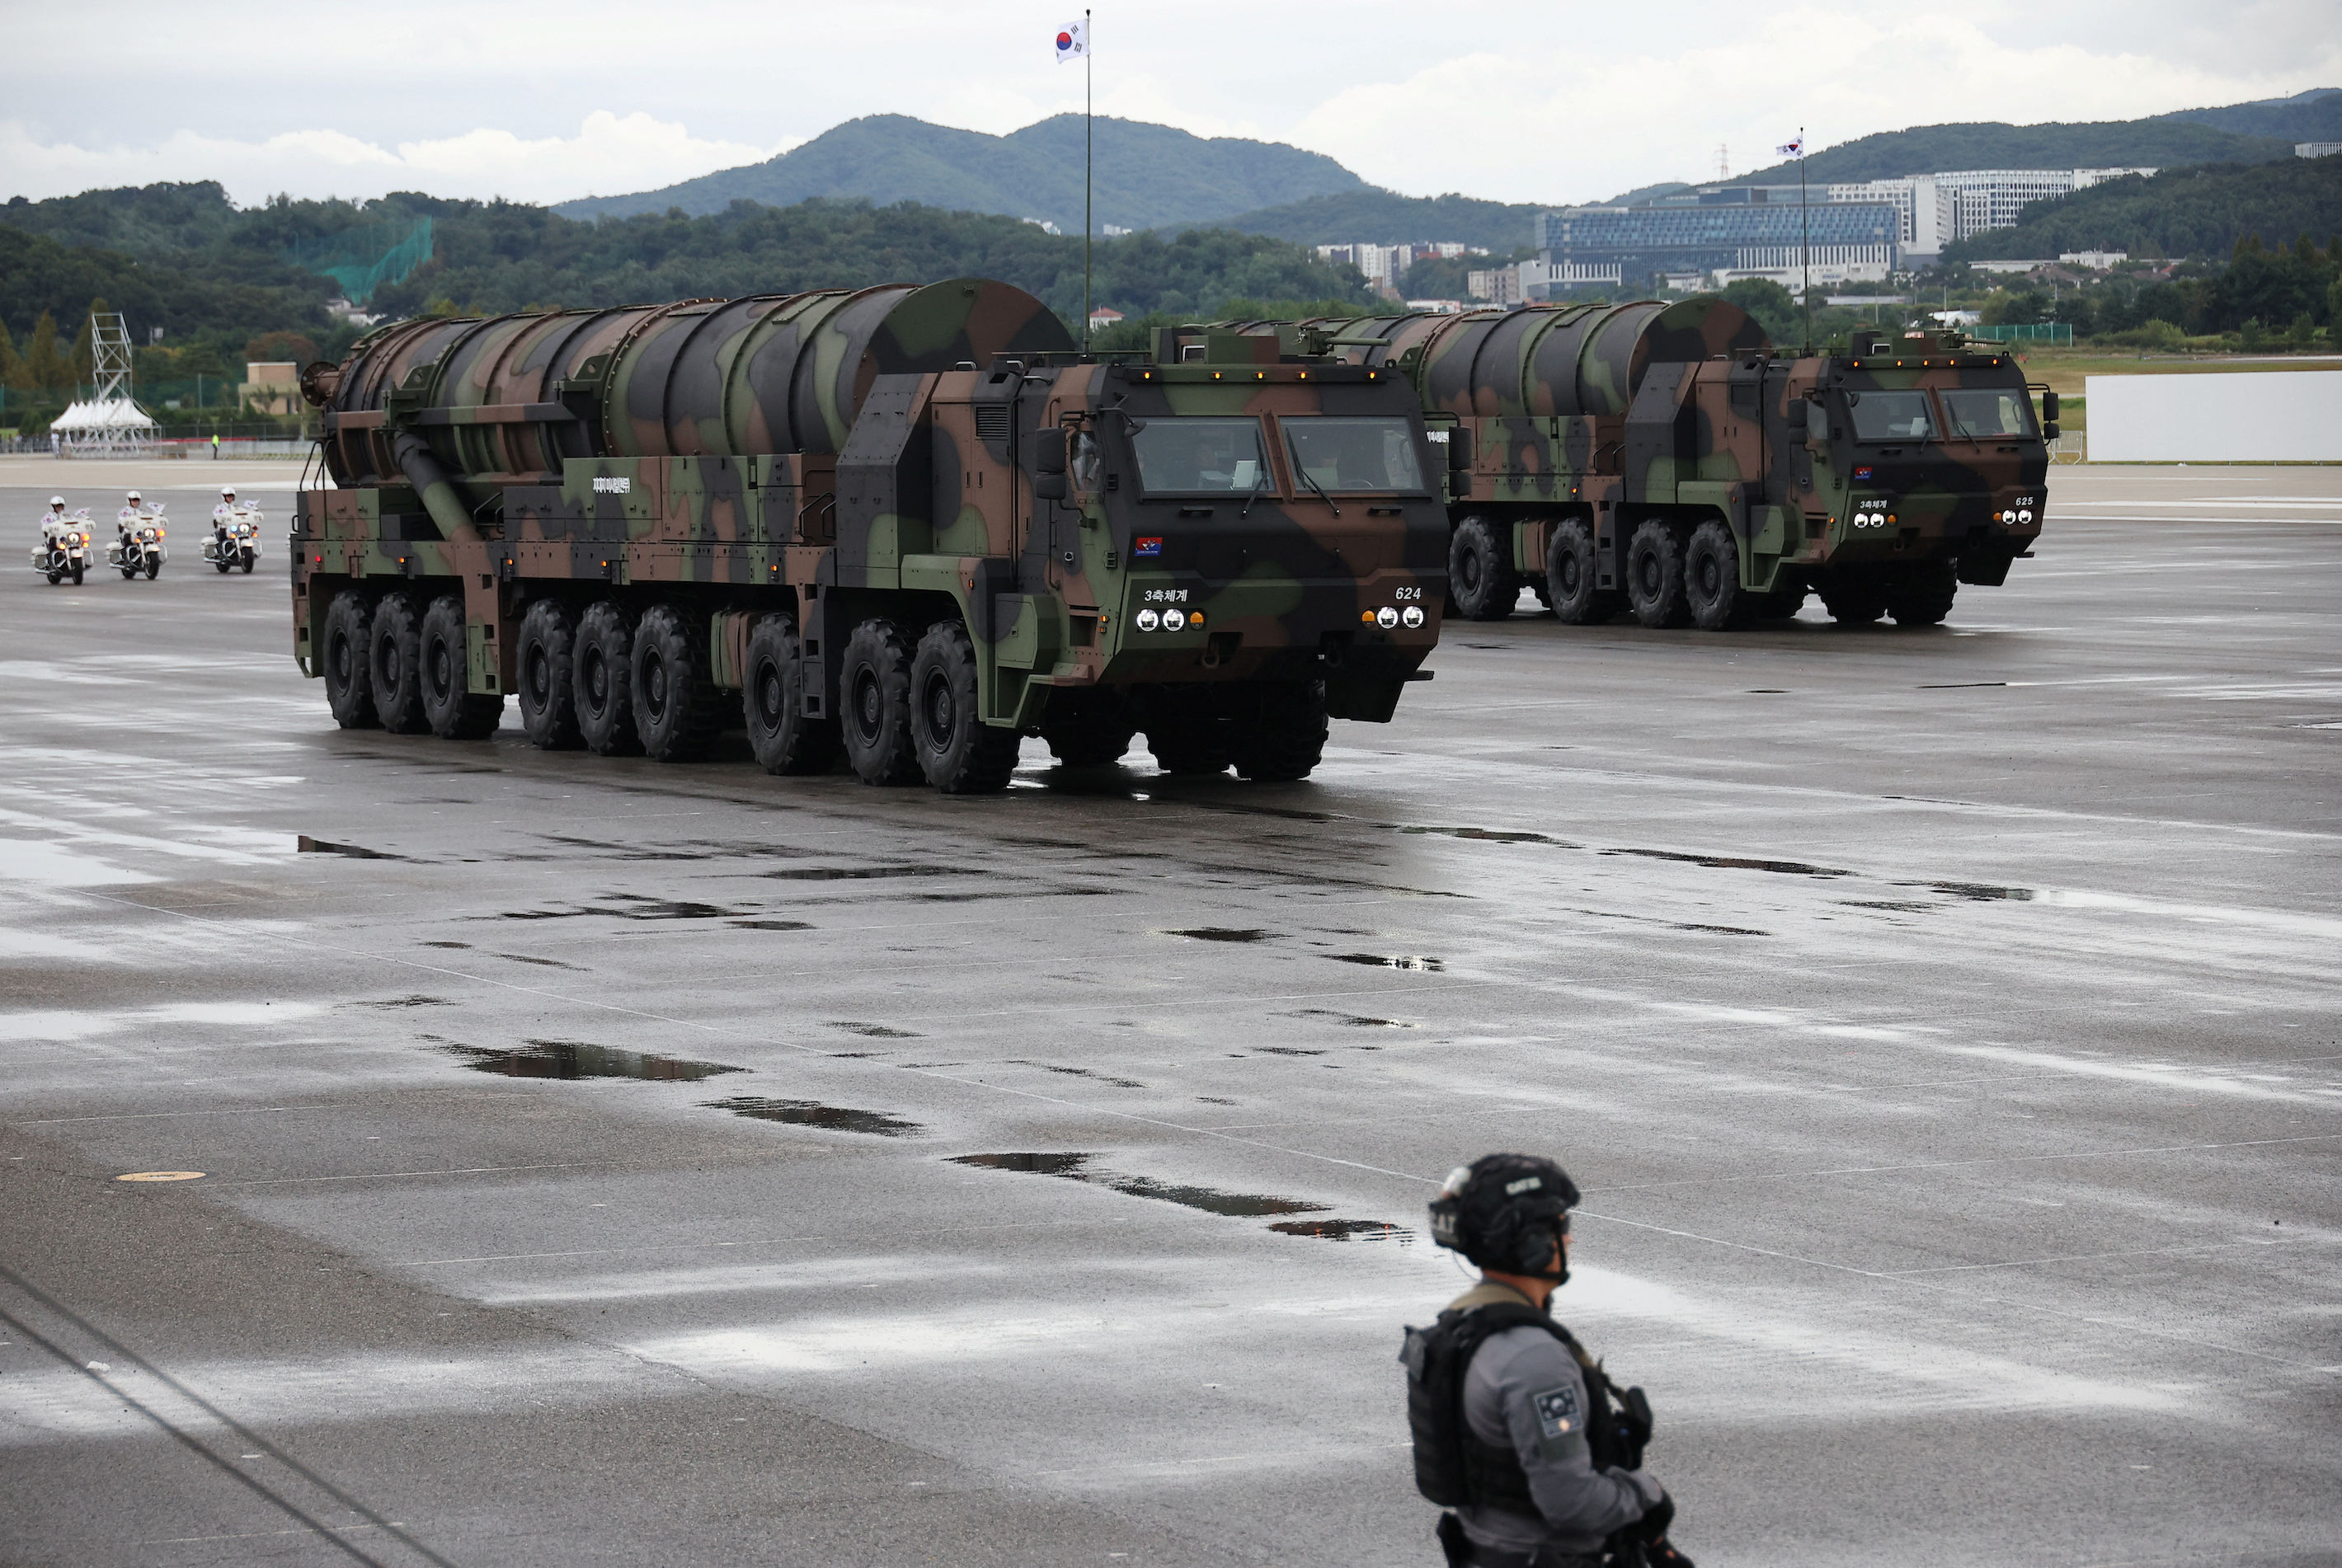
[130, 574]
[874, 688]
[772, 700]
[249, 561]
[1572, 570]
[222, 566]
[545, 667]
[678, 708]
[1712, 580]
[55, 578]
[1924, 597]
[1853, 601]
[81, 570]
[958, 751]
[453, 710]
[1286, 737]
[1480, 576]
[1187, 731]
[154, 567]
[1655, 575]
[601, 672]
[395, 665]
[1088, 729]
[342, 661]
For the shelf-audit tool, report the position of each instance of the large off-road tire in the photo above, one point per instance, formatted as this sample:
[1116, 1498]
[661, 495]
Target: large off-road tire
[1187, 732]
[873, 687]
[453, 710]
[395, 665]
[342, 661]
[1480, 576]
[1284, 738]
[1572, 570]
[1853, 601]
[958, 752]
[1924, 597]
[772, 699]
[678, 709]
[1712, 580]
[1088, 729]
[1655, 575]
[601, 681]
[546, 666]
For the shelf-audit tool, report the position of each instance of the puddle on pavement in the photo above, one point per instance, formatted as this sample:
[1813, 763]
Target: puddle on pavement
[1210, 1200]
[406, 1002]
[1345, 1230]
[544, 963]
[1392, 961]
[571, 1059]
[1733, 863]
[864, 873]
[305, 845]
[1493, 835]
[1349, 1019]
[1219, 933]
[873, 1031]
[812, 1113]
[1081, 1072]
[1720, 930]
[772, 925]
[462, 945]
[1285, 1051]
[1984, 892]
[1904, 906]
[636, 908]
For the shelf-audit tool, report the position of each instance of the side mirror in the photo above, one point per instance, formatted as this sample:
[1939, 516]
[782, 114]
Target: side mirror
[1049, 452]
[1048, 487]
[2048, 408]
[1459, 450]
[2048, 430]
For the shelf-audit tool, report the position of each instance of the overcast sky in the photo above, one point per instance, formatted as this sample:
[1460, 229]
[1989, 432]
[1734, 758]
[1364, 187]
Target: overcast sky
[542, 100]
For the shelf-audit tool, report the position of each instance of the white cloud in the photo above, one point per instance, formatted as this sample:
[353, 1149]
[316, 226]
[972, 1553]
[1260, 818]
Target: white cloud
[609, 154]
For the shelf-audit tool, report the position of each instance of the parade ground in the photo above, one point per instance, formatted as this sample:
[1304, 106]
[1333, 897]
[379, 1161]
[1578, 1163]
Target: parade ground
[558, 1160]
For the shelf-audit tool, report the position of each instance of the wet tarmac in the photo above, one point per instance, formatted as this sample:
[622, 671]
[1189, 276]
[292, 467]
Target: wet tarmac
[1945, 1028]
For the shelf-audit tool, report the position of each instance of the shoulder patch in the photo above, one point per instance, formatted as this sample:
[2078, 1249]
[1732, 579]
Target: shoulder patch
[1557, 1410]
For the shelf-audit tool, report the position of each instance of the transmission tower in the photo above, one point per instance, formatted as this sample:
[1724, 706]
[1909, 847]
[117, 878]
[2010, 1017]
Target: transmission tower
[1723, 161]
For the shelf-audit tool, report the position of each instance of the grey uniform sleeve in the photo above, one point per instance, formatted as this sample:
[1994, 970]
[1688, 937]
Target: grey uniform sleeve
[1525, 1388]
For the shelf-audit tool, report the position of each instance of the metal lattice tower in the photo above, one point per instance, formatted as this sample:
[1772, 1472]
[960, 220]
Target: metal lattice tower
[109, 350]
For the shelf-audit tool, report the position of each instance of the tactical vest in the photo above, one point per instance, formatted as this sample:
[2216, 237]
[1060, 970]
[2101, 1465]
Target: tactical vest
[1453, 1466]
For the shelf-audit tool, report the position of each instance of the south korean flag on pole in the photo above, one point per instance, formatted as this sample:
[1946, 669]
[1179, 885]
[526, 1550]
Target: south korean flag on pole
[1795, 149]
[1073, 42]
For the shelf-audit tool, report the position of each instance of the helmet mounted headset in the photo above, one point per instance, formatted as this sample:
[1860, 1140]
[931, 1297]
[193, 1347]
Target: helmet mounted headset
[1510, 1213]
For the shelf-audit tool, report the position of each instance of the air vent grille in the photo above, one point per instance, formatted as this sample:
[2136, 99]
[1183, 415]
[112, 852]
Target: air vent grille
[991, 422]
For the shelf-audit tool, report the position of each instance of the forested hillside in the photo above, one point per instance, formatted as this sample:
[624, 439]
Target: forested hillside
[2199, 212]
[1146, 176]
[1386, 216]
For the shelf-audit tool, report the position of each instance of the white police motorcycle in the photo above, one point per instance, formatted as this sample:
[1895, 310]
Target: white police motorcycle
[64, 550]
[138, 543]
[235, 534]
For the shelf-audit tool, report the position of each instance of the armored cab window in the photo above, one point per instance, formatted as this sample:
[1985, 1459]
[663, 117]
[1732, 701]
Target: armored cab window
[1187, 456]
[1356, 454]
[1891, 416]
[1983, 414]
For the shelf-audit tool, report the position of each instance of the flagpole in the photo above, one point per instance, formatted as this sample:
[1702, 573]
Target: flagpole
[1804, 240]
[1086, 178]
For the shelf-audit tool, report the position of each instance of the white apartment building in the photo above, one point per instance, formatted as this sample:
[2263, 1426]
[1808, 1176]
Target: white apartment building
[1381, 264]
[1939, 208]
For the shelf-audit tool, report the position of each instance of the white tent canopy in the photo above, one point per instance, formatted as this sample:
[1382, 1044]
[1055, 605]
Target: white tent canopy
[116, 416]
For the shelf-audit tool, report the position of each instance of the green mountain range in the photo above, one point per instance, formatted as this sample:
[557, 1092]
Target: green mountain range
[1146, 176]
[2199, 213]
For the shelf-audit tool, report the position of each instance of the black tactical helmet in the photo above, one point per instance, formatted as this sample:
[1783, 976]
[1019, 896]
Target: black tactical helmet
[1507, 1213]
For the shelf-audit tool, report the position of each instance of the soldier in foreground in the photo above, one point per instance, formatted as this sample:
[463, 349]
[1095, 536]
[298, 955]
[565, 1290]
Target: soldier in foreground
[1515, 1427]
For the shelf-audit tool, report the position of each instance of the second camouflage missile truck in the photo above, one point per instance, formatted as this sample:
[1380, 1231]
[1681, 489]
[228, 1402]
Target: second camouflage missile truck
[911, 524]
[1665, 459]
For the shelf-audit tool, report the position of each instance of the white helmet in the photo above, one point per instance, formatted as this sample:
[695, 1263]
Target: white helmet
[135, 498]
[228, 490]
[58, 502]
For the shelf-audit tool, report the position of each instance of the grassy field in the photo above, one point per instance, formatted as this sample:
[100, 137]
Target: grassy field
[2065, 369]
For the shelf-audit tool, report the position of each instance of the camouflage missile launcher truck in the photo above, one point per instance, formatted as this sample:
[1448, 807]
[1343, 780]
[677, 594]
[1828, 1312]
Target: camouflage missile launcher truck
[1666, 459]
[906, 525]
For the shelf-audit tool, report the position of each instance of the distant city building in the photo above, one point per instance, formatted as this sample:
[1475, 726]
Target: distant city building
[2010, 268]
[1722, 233]
[2096, 260]
[1497, 285]
[2316, 149]
[1104, 316]
[271, 386]
[1115, 231]
[1383, 264]
[1437, 306]
[1043, 225]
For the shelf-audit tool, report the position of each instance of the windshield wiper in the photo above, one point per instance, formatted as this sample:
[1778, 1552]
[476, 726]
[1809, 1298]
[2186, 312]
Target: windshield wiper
[1260, 481]
[1307, 478]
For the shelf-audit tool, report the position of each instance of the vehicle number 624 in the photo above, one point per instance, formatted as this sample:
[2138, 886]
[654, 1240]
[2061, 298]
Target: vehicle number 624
[1407, 593]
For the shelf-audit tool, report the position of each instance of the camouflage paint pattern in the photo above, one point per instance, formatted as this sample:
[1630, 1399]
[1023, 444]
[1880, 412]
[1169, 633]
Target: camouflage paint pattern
[1684, 411]
[838, 455]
